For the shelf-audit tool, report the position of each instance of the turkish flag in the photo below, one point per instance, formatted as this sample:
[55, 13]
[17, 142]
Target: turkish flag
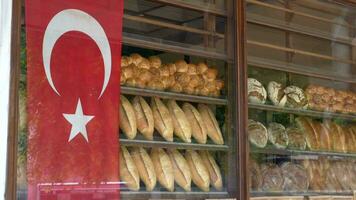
[73, 70]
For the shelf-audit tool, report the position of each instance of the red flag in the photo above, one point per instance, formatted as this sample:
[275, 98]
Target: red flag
[73, 52]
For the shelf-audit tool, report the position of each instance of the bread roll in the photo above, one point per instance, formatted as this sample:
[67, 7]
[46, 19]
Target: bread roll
[163, 168]
[180, 123]
[145, 167]
[144, 64]
[162, 119]
[155, 61]
[182, 66]
[311, 137]
[198, 170]
[199, 130]
[128, 171]
[210, 74]
[136, 58]
[127, 72]
[125, 61]
[257, 133]
[182, 175]
[192, 69]
[127, 118]
[213, 169]
[202, 68]
[213, 129]
[144, 117]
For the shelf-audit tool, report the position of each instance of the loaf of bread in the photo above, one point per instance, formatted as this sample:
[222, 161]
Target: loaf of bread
[145, 167]
[337, 136]
[272, 178]
[198, 170]
[312, 138]
[128, 171]
[295, 177]
[296, 97]
[323, 135]
[257, 133]
[182, 175]
[198, 127]
[213, 169]
[144, 117]
[162, 119]
[256, 93]
[127, 118]
[276, 94]
[296, 139]
[255, 175]
[163, 168]
[213, 129]
[180, 123]
[277, 135]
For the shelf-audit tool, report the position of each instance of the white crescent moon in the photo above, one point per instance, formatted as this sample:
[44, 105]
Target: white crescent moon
[75, 20]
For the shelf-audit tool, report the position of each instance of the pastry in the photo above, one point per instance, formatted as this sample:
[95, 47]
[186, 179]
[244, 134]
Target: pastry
[312, 138]
[172, 68]
[182, 175]
[145, 167]
[180, 123]
[256, 93]
[277, 135]
[257, 133]
[202, 68]
[136, 58]
[296, 139]
[210, 74]
[276, 94]
[128, 171]
[155, 61]
[163, 168]
[295, 97]
[155, 85]
[199, 130]
[198, 170]
[176, 87]
[192, 69]
[144, 117]
[127, 72]
[127, 118]
[213, 169]
[162, 119]
[181, 66]
[164, 71]
[125, 61]
[295, 177]
[144, 64]
[213, 129]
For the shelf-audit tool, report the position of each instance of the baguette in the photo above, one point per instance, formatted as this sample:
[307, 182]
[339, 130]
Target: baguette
[127, 118]
[144, 117]
[311, 137]
[323, 135]
[213, 169]
[337, 136]
[145, 167]
[200, 174]
[213, 129]
[182, 175]
[180, 123]
[162, 119]
[128, 171]
[163, 168]
[199, 130]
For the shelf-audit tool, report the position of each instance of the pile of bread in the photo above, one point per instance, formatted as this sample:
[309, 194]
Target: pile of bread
[288, 176]
[331, 100]
[306, 133]
[169, 166]
[168, 119]
[181, 77]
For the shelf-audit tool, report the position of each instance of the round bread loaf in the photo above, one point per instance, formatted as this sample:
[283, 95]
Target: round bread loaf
[257, 133]
[276, 94]
[296, 97]
[272, 178]
[255, 91]
[277, 135]
[295, 177]
[296, 139]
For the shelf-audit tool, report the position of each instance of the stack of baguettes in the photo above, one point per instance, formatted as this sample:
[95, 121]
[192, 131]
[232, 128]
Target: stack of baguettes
[181, 77]
[168, 119]
[328, 135]
[169, 166]
[329, 99]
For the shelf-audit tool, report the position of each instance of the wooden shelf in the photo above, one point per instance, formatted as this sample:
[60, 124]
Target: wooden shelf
[172, 95]
[302, 112]
[308, 193]
[171, 195]
[172, 145]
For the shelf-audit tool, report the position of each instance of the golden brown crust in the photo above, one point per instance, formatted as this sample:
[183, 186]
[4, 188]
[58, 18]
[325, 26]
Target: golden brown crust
[182, 175]
[201, 68]
[136, 58]
[311, 137]
[125, 61]
[181, 66]
[213, 129]
[200, 174]
[155, 61]
[337, 136]
[127, 118]
[199, 130]
[144, 64]
[128, 171]
[144, 117]
[213, 169]
[180, 123]
[192, 69]
[323, 135]
[163, 168]
[162, 119]
[145, 167]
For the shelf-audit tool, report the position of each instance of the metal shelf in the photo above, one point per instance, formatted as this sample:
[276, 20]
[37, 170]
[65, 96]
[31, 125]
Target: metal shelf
[172, 95]
[292, 152]
[175, 145]
[170, 195]
[302, 112]
[308, 193]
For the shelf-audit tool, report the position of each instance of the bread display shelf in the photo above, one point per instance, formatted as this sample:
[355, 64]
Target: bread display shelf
[173, 47]
[301, 112]
[291, 152]
[175, 145]
[296, 69]
[172, 95]
[164, 195]
[285, 193]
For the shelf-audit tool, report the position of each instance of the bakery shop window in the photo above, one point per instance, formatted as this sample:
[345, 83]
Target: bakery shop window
[175, 122]
[302, 99]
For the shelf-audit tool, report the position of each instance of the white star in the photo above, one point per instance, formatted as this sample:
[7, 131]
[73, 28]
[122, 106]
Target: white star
[78, 121]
